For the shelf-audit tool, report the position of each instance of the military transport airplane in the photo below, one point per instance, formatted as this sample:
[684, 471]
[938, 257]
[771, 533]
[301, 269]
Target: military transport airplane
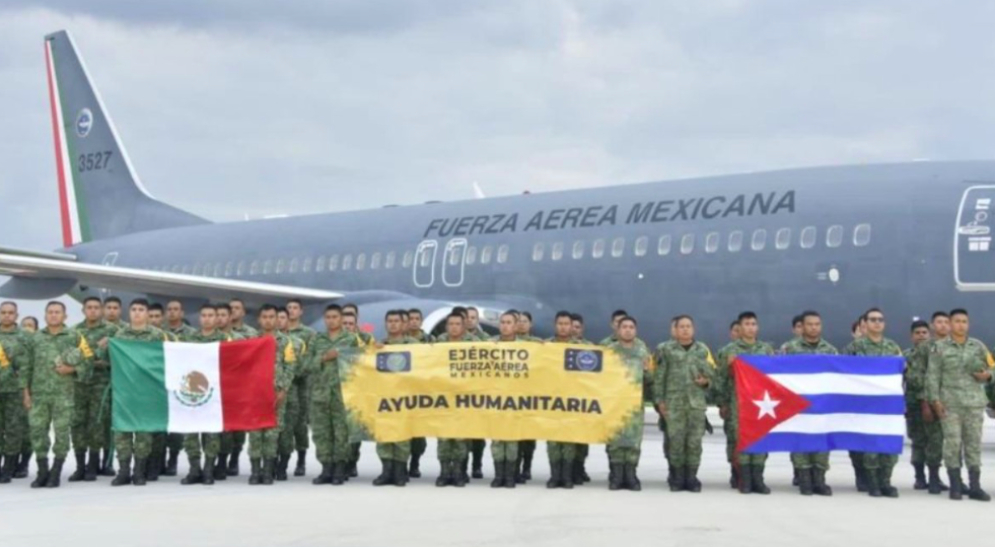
[911, 238]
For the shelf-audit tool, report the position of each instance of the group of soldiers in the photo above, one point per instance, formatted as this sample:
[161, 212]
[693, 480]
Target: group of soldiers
[55, 393]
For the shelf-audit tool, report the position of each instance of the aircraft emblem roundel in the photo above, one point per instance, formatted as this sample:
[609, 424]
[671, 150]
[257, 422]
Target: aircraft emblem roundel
[84, 122]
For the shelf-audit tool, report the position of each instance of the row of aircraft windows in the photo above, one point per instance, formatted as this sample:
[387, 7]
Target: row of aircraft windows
[807, 239]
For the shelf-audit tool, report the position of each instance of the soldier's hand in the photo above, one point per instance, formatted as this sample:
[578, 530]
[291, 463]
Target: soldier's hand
[280, 396]
[927, 413]
[64, 370]
[27, 400]
[662, 409]
[724, 412]
[701, 381]
[939, 409]
[102, 343]
[330, 355]
[983, 376]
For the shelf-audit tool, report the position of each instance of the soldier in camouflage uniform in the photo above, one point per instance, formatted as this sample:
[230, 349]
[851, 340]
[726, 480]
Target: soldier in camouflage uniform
[505, 453]
[624, 448]
[92, 413]
[394, 456]
[60, 357]
[295, 435]
[914, 380]
[811, 467]
[685, 369]
[15, 359]
[932, 429]
[877, 467]
[750, 467]
[453, 452]
[263, 442]
[955, 376]
[562, 456]
[526, 449]
[418, 444]
[328, 415]
[715, 396]
[112, 317]
[207, 445]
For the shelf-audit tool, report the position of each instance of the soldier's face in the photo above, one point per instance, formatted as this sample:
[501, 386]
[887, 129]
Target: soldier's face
[508, 326]
[959, 325]
[685, 330]
[941, 326]
[414, 322]
[155, 317]
[472, 319]
[8, 315]
[281, 320]
[294, 310]
[812, 328]
[92, 310]
[614, 323]
[748, 329]
[221, 319]
[578, 329]
[208, 319]
[55, 315]
[267, 320]
[174, 312]
[735, 332]
[138, 315]
[626, 331]
[333, 320]
[349, 323]
[394, 324]
[797, 329]
[237, 310]
[564, 328]
[524, 325]
[921, 334]
[112, 311]
[455, 328]
[875, 324]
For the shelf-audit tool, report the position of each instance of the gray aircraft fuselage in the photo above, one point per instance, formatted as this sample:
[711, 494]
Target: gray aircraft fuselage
[923, 232]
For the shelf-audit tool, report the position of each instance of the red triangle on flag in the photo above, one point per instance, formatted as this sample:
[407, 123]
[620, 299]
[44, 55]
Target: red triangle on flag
[763, 403]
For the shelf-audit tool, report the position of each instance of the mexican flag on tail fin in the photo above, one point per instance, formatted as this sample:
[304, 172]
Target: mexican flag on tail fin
[193, 388]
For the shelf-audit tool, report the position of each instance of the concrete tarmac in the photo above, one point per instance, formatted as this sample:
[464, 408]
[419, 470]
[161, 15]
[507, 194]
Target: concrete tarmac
[296, 513]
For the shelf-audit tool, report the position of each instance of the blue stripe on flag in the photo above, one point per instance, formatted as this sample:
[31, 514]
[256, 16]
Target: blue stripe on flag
[826, 442]
[855, 404]
[814, 364]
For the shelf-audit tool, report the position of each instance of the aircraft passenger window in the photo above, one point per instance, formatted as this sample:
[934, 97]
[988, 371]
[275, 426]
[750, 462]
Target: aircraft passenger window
[759, 240]
[598, 248]
[177, 268]
[808, 237]
[862, 235]
[642, 243]
[390, 260]
[663, 245]
[240, 269]
[306, 266]
[834, 236]
[361, 261]
[186, 269]
[255, 268]
[502, 254]
[485, 254]
[217, 269]
[712, 242]
[333, 263]
[687, 244]
[557, 252]
[471, 255]
[735, 241]
[267, 267]
[294, 265]
[347, 262]
[618, 247]
[196, 268]
[578, 251]
[229, 268]
[408, 258]
[319, 265]
[280, 266]
[375, 261]
[537, 251]
[782, 239]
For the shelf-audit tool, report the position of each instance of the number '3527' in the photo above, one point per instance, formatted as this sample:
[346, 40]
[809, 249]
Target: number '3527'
[93, 161]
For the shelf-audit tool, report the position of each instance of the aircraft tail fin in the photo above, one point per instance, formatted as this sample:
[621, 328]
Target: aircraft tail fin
[100, 194]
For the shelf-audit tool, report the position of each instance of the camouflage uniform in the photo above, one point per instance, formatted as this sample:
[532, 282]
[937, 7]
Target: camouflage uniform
[295, 435]
[15, 357]
[92, 414]
[877, 467]
[503, 451]
[263, 442]
[926, 437]
[624, 448]
[949, 380]
[685, 400]
[810, 460]
[52, 394]
[328, 416]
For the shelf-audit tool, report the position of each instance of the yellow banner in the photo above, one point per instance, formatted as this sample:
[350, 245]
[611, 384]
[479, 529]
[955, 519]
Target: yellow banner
[488, 390]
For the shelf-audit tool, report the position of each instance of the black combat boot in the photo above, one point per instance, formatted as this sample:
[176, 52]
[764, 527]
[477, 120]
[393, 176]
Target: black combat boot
[22, 466]
[734, 477]
[933, 485]
[41, 479]
[510, 469]
[301, 469]
[220, 473]
[794, 478]
[460, 477]
[920, 483]
[477, 466]
[861, 479]
[269, 465]
[400, 473]
[233, 469]
[414, 470]
[282, 463]
[873, 481]
[566, 474]
[629, 478]
[7, 472]
[172, 461]
[819, 485]
[527, 464]
[153, 467]
[255, 475]
[759, 486]
[387, 475]
[352, 470]
[92, 466]
[677, 479]
[498, 481]
[884, 482]
[519, 476]
[123, 476]
[106, 464]
[338, 473]
[804, 481]
[55, 474]
[195, 475]
[745, 479]
[209, 469]
[974, 485]
[443, 479]
[691, 482]
[80, 471]
[581, 464]
[956, 486]
[325, 477]
[617, 478]
[554, 474]
[141, 468]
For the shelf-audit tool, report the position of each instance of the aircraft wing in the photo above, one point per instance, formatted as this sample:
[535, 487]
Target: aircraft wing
[47, 275]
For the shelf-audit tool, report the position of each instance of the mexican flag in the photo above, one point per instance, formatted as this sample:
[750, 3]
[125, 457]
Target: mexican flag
[193, 388]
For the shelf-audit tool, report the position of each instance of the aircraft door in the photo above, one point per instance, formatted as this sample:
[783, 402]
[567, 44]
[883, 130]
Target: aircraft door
[453, 260]
[424, 265]
[974, 254]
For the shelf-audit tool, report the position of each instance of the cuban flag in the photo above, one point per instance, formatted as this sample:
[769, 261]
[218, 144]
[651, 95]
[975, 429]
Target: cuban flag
[820, 403]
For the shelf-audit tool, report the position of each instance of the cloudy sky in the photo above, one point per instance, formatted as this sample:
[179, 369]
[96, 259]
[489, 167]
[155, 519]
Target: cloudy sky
[233, 108]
